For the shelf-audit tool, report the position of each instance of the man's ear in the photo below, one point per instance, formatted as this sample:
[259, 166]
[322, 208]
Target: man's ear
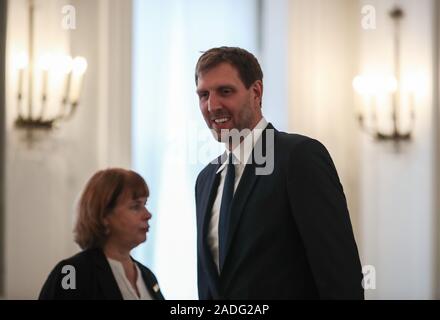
[257, 89]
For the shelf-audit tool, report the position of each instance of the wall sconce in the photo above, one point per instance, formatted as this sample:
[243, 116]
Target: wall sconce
[73, 70]
[371, 87]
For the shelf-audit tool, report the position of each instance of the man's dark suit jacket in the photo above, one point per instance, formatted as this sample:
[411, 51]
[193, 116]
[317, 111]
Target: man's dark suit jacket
[290, 235]
[94, 279]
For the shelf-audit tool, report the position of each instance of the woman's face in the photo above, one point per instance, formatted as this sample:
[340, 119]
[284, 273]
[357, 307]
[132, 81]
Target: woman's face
[128, 222]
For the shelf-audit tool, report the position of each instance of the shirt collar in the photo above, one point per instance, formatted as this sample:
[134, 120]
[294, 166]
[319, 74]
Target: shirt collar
[242, 152]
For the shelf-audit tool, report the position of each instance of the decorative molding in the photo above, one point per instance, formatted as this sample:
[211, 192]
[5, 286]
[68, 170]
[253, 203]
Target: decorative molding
[3, 16]
[115, 78]
[436, 140]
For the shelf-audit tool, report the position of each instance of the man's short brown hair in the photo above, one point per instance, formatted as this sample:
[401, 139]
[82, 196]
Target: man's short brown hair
[244, 62]
[99, 198]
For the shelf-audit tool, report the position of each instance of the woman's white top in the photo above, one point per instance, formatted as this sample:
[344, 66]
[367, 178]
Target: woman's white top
[127, 290]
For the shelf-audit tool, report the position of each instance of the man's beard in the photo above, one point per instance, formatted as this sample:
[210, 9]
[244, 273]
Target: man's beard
[242, 128]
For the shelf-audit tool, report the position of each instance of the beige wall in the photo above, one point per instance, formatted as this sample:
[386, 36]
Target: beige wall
[397, 195]
[390, 194]
[323, 48]
[44, 180]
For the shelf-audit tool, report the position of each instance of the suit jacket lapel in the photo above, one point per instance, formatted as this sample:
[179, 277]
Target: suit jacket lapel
[106, 280]
[206, 209]
[150, 283]
[245, 187]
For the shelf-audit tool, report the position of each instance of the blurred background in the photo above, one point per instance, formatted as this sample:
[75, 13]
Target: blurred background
[91, 84]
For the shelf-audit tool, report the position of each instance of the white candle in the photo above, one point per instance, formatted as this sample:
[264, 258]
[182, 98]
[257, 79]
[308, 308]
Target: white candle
[65, 65]
[21, 62]
[411, 105]
[44, 85]
[79, 68]
[67, 85]
[75, 88]
[20, 84]
[44, 63]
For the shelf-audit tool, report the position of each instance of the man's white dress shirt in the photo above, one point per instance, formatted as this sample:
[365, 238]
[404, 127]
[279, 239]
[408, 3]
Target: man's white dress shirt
[240, 156]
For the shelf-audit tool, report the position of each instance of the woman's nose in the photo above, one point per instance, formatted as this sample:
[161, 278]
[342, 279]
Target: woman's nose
[147, 215]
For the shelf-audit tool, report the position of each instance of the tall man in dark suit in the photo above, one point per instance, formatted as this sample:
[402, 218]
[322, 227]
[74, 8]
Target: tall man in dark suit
[272, 219]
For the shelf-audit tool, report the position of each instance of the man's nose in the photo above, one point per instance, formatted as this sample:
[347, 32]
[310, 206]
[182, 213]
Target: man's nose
[213, 103]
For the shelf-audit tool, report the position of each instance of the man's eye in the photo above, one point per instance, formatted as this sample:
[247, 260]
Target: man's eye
[203, 95]
[226, 91]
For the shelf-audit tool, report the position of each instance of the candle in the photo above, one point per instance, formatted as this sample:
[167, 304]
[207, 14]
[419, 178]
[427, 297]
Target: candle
[44, 85]
[65, 64]
[79, 68]
[411, 107]
[21, 64]
[44, 63]
[75, 88]
[67, 86]
[20, 83]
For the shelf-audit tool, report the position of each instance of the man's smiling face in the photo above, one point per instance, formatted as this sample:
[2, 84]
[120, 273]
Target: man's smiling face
[226, 103]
